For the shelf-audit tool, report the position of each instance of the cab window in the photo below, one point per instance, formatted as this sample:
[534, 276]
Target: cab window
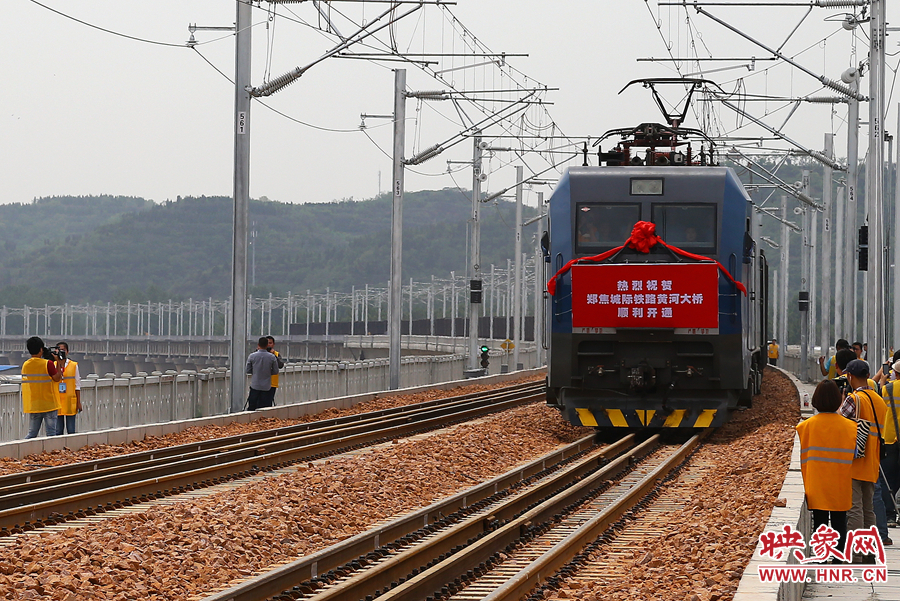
[689, 226]
[600, 227]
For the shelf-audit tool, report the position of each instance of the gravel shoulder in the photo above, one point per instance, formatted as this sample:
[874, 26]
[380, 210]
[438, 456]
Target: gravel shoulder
[174, 552]
[9, 465]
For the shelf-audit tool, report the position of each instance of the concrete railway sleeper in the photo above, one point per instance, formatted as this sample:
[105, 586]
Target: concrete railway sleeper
[441, 557]
[73, 494]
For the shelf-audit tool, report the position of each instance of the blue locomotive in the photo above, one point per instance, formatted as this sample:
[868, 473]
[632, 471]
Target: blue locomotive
[657, 313]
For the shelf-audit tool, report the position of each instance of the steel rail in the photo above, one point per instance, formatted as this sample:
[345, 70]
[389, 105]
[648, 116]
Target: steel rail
[14, 495]
[275, 581]
[466, 544]
[483, 550]
[520, 585]
[95, 465]
[263, 460]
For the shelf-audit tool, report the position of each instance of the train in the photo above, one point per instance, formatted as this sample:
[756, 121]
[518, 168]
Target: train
[657, 303]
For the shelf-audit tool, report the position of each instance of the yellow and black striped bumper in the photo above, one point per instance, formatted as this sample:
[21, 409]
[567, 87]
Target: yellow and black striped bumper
[650, 418]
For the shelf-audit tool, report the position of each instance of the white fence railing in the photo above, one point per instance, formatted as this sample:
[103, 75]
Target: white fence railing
[790, 361]
[139, 400]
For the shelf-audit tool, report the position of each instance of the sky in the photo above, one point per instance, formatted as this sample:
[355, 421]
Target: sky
[86, 112]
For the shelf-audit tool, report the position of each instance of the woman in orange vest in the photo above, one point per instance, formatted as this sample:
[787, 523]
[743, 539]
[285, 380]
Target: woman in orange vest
[827, 443]
[69, 390]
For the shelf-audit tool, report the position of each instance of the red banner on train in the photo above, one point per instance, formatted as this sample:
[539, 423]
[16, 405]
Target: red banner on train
[645, 295]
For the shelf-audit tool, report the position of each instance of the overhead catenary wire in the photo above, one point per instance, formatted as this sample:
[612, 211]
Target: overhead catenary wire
[783, 61]
[109, 31]
[274, 110]
[472, 43]
[478, 98]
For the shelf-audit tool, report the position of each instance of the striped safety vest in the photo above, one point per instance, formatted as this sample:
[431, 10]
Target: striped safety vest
[39, 391]
[68, 399]
[827, 442]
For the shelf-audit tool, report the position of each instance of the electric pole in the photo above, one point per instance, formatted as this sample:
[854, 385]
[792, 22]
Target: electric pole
[785, 270]
[875, 186]
[517, 295]
[851, 76]
[474, 268]
[896, 269]
[395, 310]
[803, 297]
[238, 351]
[827, 233]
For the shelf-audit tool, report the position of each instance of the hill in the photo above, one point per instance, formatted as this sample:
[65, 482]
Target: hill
[108, 248]
[25, 227]
[180, 249]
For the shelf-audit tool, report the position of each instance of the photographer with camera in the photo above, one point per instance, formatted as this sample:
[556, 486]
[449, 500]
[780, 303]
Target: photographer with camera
[864, 405]
[885, 373]
[840, 361]
[69, 389]
[40, 379]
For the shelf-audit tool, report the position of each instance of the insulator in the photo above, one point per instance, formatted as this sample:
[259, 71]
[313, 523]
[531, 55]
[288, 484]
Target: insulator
[277, 84]
[825, 99]
[805, 198]
[821, 157]
[431, 95]
[837, 86]
[840, 3]
[426, 154]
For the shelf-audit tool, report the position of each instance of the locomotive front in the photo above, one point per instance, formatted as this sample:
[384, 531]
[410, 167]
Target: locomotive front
[667, 330]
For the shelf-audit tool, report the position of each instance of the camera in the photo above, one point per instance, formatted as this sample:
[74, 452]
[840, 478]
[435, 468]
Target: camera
[52, 354]
[844, 384]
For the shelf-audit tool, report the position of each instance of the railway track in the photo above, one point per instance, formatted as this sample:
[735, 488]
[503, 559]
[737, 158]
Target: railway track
[488, 542]
[49, 496]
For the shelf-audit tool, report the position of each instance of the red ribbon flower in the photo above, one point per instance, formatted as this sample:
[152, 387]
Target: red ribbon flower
[643, 238]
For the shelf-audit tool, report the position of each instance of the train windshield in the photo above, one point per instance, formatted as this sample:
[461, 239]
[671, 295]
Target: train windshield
[601, 227]
[691, 227]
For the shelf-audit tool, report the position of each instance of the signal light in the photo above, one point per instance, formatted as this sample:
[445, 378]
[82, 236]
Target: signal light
[863, 248]
[475, 292]
[485, 361]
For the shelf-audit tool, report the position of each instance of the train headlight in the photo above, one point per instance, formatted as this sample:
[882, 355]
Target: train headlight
[647, 187]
